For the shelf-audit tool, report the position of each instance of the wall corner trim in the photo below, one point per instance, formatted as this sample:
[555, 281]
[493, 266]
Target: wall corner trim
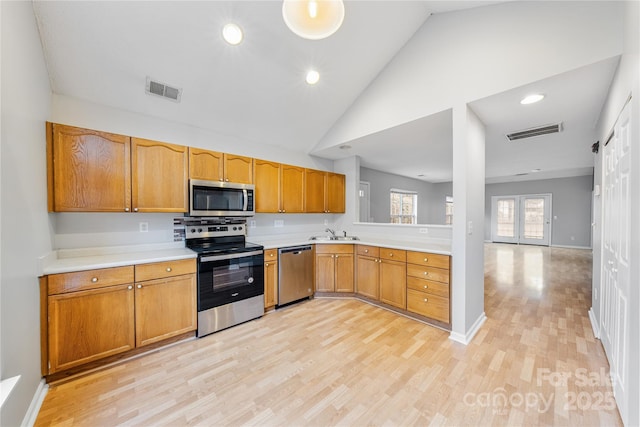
[34, 408]
[594, 324]
[466, 338]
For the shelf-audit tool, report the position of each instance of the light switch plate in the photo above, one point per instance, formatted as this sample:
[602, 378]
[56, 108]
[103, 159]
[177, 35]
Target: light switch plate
[278, 223]
[144, 227]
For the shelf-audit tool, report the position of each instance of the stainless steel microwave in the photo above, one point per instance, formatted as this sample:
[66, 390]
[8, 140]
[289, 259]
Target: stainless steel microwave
[217, 198]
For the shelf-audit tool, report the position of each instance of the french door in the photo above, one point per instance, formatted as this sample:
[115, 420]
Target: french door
[521, 219]
[615, 279]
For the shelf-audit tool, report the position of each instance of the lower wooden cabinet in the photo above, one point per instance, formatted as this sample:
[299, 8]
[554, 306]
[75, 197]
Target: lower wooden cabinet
[368, 277]
[428, 282]
[382, 275]
[90, 315]
[334, 268]
[270, 278]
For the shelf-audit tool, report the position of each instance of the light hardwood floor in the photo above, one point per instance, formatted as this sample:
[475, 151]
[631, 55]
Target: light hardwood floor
[344, 362]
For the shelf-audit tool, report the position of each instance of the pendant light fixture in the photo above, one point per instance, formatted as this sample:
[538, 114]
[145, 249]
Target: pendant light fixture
[313, 19]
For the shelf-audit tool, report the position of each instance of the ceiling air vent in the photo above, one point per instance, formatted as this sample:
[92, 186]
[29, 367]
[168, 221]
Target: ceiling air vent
[156, 88]
[537, 131]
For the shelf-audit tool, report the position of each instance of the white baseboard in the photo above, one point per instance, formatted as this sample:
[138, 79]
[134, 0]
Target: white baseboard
[571, 247]
[594, 324]
[466, 338]
[34, 408]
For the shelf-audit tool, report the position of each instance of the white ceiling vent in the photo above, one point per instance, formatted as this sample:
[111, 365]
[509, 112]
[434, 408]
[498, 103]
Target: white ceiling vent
[154, 87]
[537, 131]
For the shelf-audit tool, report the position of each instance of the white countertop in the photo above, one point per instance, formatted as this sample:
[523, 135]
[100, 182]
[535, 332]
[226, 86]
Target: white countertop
[272, 242]
[69, 260]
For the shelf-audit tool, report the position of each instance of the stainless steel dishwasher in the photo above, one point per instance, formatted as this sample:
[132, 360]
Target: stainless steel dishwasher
[295, 280]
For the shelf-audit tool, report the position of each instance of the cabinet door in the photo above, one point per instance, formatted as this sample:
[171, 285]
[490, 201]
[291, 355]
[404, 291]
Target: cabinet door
[205, 164]
[368, 277]
[267, 182]
[393, 283]
[334, 195]
[86, 326]
[325, 273]
[238, 169]
[344, 273]
[314, 191]
[270, 284]
[159, 176]
[88, 171]
[165, 308]
[292, 185]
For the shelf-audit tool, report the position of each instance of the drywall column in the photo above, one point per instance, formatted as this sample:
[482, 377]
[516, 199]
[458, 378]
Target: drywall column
[467, 288]
[350, 167]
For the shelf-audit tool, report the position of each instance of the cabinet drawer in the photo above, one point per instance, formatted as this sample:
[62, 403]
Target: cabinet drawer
[428, 305]
[429, 273]
[334, 249]
[393, 254]
[427, 259]
[159, 270]
[90, 279]
[372, 251]
[434, 288]
[270, 255]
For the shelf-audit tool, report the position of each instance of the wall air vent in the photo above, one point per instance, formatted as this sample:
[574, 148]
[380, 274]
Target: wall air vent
[154, 87]
[537, 131]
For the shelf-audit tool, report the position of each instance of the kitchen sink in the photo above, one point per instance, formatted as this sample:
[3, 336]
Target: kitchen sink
[333, 238]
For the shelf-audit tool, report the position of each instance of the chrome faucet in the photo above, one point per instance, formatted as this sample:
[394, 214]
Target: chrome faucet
[333, 233]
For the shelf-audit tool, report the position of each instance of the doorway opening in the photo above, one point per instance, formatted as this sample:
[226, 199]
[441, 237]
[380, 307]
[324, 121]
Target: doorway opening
[522, 219]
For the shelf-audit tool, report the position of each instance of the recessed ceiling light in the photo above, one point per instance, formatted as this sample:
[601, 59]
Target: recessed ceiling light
[232, 34]
[313, 77]
[531, 99]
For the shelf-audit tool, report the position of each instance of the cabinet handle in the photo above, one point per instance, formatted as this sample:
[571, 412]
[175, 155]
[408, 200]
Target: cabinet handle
[366, 251]
[390, 254]
[168, 269]
[426, 259]
[94, 279]
[226, 179]
[271, 255]
[332, 256]
[426, 300]
[126, 209]
[337, 256]
[129, 287]
[426, 287]
[426, 273]
[135, 209]
[284, 210]
[266, 264]
[139, 286]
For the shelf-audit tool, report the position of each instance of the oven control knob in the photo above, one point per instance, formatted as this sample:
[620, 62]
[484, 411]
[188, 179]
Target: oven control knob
[240, 228]
[250, 280]
[193, 230]
[235, 228]
[199, 230]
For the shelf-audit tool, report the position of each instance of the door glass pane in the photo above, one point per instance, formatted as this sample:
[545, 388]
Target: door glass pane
[534, 218]
[506, 218]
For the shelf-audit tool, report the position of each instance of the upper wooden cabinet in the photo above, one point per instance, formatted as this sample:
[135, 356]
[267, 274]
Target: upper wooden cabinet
[87, 170]
[279, 188]
[91, 171]
[216, 166]
[206, 164]
[324, 192]
[159, 176]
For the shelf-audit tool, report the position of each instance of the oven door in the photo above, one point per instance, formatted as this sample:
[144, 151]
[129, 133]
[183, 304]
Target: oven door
[226, 278]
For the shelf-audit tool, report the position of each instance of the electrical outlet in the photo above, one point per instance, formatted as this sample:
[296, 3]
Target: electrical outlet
[252, 224]
[278, 223]
[424, 231]
[326, 222]
[144, 227]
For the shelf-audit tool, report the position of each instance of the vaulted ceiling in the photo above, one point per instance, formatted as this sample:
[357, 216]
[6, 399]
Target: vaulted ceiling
[103, 52]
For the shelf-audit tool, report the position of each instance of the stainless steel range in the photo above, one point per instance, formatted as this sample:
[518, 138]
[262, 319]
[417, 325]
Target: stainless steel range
[230, 273]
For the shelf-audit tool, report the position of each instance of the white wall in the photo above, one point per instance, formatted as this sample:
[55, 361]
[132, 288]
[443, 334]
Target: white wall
[26, 234]
[626, 81]
[467, 55]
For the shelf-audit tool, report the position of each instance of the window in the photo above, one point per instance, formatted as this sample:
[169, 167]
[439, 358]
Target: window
[404, 207]
[448, 210]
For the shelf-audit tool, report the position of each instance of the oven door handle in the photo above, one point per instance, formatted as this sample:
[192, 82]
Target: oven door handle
[246, 199]
[230, 256]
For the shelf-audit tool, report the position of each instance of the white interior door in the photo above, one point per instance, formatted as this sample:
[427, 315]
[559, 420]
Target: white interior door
[521, 219]
[615, 277]
[364, 197]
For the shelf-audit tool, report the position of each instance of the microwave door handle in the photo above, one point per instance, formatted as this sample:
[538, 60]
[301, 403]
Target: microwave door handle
[244, 206]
